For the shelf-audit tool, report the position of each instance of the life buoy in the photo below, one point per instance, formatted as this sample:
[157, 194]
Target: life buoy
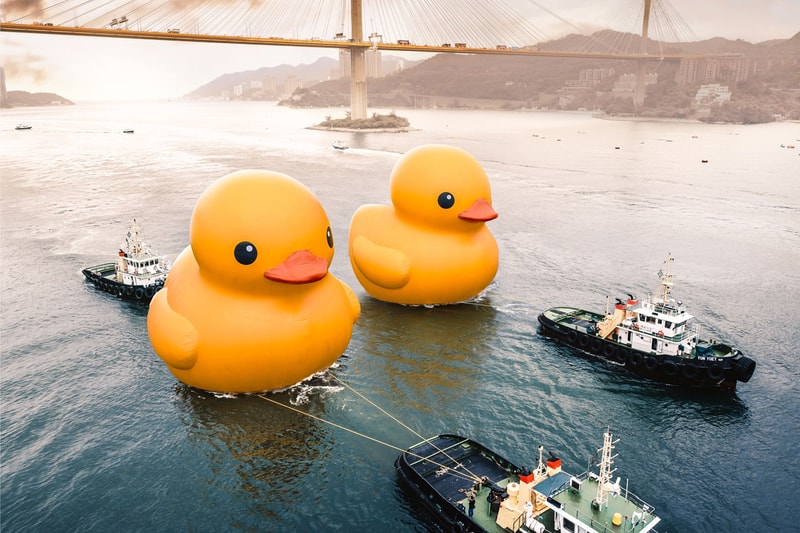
[715, 372]
[149, 291]
[650, 363]
[139, 293]
[635, 359]
[689, 370]
[669, 368]
[636, 326]
[572, 337]
[660, 333]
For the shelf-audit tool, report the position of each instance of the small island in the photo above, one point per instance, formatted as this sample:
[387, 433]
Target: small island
[376, 123]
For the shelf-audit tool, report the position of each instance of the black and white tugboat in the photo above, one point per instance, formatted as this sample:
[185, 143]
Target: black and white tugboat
[470, 488]
[138, 272]
[655, 338]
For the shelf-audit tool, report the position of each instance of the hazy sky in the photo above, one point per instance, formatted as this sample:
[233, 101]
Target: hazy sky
[94, 68]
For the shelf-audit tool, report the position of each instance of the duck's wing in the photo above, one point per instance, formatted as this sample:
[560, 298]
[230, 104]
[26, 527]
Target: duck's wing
[173, 337]
[386, 267]
[353, 304]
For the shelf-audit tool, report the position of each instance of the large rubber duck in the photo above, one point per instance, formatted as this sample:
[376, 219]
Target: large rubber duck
[249, 305]
[431, 246]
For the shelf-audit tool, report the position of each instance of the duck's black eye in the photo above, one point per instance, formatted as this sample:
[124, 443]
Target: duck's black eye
[446, 200]
[245, 252]
[329, 236]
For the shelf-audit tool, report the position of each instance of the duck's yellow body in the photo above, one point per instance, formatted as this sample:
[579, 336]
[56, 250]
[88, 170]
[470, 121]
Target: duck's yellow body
[250, 305]
[431, 246]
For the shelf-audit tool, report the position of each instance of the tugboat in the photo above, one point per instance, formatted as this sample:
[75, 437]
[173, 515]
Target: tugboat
[470, 488]
[655, 338]
[138, 272]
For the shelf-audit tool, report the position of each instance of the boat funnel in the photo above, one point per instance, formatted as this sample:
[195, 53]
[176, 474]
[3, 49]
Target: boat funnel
[553, 466]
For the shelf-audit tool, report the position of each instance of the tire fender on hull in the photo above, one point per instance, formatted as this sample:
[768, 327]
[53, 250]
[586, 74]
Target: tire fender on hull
[609, 350]
[596, 346]
[690, 370]
[669, 368]
[583, 341]
[715, 372]
[744, 369]
[650, 363]
[572, 337]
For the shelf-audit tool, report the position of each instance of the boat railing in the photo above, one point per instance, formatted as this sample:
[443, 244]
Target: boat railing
[604, 527]
[654, 332]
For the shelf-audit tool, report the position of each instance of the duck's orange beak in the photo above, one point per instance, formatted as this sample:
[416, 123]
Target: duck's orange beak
[480, 211]
[300, 267]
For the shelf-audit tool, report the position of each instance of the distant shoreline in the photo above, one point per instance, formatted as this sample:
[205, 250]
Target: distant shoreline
[603, 116]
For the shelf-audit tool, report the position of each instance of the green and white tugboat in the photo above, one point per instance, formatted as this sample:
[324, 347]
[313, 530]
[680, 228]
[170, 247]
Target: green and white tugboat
[655, 338]
[137, 274]
[470, 488]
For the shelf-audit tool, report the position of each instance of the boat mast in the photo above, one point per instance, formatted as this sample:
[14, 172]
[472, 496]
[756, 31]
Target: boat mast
[604, 485]
[666, 281]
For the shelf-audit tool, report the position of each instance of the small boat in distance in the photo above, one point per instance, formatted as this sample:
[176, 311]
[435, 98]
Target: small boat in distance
[655, 338]
[339, 145]
[138, 272]
[23, 127]
[127, 131]
[470, 488]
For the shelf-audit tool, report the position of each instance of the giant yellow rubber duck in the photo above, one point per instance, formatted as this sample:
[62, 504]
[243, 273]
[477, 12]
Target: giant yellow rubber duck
[431, 246]
[249, 305]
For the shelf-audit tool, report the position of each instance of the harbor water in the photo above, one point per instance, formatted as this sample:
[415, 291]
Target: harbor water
[98, 436]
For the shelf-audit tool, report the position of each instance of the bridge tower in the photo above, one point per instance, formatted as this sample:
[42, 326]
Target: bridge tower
[358, 67]
[641, 75]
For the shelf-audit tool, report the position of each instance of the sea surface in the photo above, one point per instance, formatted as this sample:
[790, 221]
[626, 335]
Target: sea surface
[98, 436]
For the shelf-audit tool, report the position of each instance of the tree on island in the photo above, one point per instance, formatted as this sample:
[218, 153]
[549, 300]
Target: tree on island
[375, 122]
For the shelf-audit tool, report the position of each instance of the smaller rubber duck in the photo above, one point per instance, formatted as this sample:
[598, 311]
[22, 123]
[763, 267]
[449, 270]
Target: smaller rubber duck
[431, 246]
[249, 306]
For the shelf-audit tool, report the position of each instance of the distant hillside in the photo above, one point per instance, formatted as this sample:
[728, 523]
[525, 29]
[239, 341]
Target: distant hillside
[766, 84]
[274, 82]
[24, 98]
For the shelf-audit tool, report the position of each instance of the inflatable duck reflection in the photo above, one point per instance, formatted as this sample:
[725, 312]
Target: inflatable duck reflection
[249, 305]
[431, 246]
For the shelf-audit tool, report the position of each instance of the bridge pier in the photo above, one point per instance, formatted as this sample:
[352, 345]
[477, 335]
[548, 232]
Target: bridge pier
[358, 65]
[641, 75]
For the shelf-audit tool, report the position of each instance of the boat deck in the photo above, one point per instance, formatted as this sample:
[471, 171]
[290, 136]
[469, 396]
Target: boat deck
[572, 317]
[636, 515]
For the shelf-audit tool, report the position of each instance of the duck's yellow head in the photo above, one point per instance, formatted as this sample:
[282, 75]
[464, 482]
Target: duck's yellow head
[441, 186]
[253, 228]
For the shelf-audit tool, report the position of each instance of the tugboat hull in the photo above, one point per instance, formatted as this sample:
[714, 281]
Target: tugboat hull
[717, 370]
[102, 277]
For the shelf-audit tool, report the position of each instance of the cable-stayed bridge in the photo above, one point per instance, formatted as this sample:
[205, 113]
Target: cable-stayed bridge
[507, 27]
